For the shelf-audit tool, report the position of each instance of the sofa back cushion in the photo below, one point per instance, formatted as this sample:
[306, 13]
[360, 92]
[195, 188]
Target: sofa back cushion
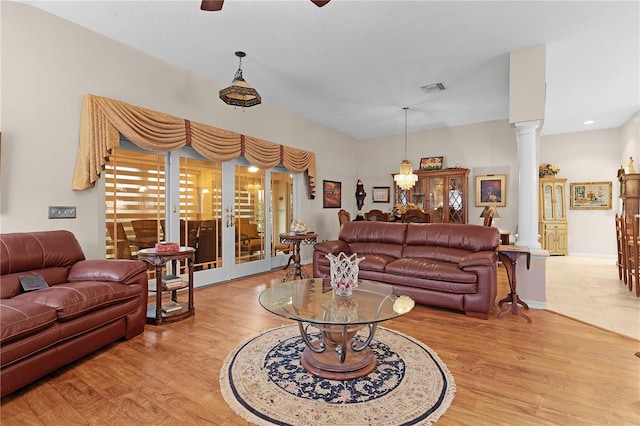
[366, 237]
[49, 253]
[449, 241]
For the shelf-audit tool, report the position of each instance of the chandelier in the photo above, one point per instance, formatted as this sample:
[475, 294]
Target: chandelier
[406, 178]
[240, 93]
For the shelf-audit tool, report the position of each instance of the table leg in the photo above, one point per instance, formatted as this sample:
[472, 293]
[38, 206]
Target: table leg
[297, 271]
[512, 299]
[158, 292]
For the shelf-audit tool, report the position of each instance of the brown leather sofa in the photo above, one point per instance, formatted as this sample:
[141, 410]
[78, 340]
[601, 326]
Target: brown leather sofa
[88, 304]
[447, 265]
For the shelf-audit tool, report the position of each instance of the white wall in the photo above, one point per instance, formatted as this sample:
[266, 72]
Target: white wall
[587, 157]
[48, 65]
[484, 148]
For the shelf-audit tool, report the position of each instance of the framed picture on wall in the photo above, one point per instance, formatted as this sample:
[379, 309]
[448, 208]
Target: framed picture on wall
[331, 194]
[381, 194]
[491, 190]
[590, 196]
[431, 163]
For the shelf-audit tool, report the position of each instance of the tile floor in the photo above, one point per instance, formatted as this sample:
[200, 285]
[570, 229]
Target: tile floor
[588, 290]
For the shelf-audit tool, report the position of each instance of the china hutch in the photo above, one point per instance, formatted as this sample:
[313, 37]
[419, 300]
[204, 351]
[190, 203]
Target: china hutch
[552, 217]
[445, 191]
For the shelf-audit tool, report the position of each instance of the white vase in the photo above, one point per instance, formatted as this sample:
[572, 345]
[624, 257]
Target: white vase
[344, 272]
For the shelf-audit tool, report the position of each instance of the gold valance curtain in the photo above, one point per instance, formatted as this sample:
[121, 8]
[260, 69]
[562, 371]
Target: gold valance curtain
[103, 119]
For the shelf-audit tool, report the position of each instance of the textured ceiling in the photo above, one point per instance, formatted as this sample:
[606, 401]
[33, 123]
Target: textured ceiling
[352, 65]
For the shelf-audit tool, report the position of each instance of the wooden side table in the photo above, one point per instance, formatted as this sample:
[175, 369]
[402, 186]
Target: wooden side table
[509, 255]
[158, 260]
[295, 240]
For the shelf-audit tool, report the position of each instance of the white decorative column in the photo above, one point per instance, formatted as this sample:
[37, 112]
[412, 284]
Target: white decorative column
[528, 184]
[531, 282]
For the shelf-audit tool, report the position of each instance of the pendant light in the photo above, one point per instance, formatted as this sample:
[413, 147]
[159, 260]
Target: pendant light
[240, 93]
[406, 178]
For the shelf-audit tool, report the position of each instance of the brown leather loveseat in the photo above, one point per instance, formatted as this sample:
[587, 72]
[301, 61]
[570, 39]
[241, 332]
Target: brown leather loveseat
[447, 265]
[87, 304]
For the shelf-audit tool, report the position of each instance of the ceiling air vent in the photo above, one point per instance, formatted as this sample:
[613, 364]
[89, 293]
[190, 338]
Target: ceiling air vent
[435, 87]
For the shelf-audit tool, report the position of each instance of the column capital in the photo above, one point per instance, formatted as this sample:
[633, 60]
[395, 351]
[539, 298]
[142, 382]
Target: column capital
[526, 125]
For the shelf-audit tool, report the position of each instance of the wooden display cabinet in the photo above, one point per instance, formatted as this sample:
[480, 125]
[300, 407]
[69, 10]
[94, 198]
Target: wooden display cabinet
[552, 216]
[445, 191]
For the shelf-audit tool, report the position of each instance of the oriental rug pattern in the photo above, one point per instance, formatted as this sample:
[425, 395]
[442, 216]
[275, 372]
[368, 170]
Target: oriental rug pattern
[263, 382]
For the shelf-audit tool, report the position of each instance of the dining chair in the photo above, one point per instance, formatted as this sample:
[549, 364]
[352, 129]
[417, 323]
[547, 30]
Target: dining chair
[377, 215]
[415, 216]
[121, 244]
[622, 248]
[343, 216]
[146, 233]
[633, 254]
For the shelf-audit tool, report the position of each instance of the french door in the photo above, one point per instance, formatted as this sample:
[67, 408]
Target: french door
[231, 213]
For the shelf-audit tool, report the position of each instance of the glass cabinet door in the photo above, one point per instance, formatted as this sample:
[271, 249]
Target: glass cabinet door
[548, 204]
[436, 193]
[559, 202]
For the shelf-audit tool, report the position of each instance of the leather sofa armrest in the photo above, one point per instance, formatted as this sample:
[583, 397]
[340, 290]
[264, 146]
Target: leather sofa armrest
[116, 270]
[335, 246]
[480, 258]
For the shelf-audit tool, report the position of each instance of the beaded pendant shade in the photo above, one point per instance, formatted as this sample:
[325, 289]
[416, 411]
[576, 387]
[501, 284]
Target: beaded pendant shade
[406, 178]
[240, 93]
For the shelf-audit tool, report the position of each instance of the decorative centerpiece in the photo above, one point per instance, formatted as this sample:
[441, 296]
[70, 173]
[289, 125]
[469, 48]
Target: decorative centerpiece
[547, 170]
[298, 226]
[344, 272]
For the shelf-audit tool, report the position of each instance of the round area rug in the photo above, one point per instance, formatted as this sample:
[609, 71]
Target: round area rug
[263, 382]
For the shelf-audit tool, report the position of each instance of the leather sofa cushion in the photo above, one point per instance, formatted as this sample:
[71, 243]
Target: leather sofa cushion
[19, 318]
[373, 232]
[453, 235]
[123, 271]
[74, 299]
[29, 251]
[10, 283]
[31, 346]
[431, 270]
[442, 254]
[375, 262]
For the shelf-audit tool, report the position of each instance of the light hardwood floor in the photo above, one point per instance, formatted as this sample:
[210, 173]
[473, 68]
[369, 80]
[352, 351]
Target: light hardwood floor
[554, 371]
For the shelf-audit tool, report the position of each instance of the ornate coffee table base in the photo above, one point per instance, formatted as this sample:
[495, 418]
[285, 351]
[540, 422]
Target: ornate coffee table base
[337, 355]
[328, 366]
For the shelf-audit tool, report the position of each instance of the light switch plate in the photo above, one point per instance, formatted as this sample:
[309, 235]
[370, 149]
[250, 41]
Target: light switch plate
[62, 212]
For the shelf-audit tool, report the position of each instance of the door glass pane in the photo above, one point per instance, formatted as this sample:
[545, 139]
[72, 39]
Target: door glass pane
[282, 210]
[249, 214]
[201, 210]
[134, 202]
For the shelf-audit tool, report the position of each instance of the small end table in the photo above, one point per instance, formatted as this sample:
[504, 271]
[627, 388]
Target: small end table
[295, 239]
[158, 260]
[509, 255]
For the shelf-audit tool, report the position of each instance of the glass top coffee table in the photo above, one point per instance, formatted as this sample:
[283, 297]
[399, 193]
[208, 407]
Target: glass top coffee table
[328, 322]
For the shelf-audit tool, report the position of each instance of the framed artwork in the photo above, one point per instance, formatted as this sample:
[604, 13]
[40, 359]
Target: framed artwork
[431, 163]
[491, 190]
[590, 196]
[381, 194]
[331, 194]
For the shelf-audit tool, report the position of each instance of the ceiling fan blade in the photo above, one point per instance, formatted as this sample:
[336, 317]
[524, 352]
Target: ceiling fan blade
[320, 3]
[211, 5]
